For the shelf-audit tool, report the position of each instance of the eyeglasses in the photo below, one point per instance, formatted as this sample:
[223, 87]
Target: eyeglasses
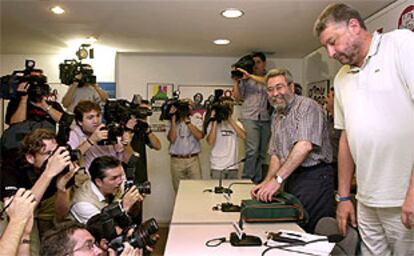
[276, 87]
[87, 246]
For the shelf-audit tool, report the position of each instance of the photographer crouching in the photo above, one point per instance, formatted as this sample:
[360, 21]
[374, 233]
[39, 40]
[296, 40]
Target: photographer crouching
[105, 187]
[46, 169]
[74, 239]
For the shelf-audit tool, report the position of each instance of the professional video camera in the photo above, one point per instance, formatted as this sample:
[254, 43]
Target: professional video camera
[102, 226]
[246, 63]
[70, 68]
[9, 83]
[116, 114]
[182, 106]
[220, 105]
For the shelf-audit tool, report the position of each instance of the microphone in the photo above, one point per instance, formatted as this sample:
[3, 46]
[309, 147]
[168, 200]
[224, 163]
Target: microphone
[220, 189]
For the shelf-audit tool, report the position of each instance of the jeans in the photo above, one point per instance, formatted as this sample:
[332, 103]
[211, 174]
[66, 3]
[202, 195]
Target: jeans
[257, 140]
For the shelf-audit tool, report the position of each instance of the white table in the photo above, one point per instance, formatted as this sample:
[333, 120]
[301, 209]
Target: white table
[193, 206]
[194, 222]
[189, 239]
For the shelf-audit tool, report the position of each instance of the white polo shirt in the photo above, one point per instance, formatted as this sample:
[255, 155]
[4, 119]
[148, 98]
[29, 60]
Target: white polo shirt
[375, 105]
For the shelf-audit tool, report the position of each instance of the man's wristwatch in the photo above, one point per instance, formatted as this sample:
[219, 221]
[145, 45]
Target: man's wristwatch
[339, 198]
[279, 179]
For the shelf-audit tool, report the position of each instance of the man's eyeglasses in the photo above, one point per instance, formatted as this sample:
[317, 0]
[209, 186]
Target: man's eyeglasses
[87, 246]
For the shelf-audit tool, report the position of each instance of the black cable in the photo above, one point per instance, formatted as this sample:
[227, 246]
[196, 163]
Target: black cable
[285, 246]
[215, 242]
[239, 183]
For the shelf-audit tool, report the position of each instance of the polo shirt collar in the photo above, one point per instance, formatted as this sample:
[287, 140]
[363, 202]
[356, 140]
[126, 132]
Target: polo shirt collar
[373, 50]
[97, 192]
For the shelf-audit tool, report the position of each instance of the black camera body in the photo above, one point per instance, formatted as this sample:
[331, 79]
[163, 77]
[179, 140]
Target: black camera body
[70, 68]
[9, 83]
[141, 237]
[246, 63]
[143, 188]
[223, 111]
[102, 226]
[116, 114]
[182, 106]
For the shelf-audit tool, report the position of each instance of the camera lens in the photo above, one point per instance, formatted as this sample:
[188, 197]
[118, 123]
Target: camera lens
[144, 188]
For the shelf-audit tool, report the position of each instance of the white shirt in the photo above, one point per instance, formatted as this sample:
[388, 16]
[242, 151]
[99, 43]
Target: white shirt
[225, 150]
[375, 105]
[83, 211]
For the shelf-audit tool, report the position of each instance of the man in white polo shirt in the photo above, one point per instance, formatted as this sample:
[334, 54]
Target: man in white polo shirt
[374, 108]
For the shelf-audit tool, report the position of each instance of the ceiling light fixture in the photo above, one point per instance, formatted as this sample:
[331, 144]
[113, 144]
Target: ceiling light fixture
[232, 13]
[221, 41]
[57, 10]
[91, 40]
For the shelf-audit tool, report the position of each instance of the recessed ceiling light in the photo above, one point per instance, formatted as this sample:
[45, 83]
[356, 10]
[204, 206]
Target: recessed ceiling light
[232, 13]
[91, 39]
[57, 10]
[221, 41]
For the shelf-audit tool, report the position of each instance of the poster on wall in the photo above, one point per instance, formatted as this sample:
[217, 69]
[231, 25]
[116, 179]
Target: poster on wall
[318, 91]
[158, 93]
[109, 87]
[202, 96]
[406, 19]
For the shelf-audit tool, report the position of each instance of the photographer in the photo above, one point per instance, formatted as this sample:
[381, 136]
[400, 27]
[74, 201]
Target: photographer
[105, 187]
[81, 90]
[89, 132]
[16, 238]
[32, 103]
[184, 138]
[251, 90]
[112, 228]
[222, 133]
[143, 136]
[39, 167]
[74, 239]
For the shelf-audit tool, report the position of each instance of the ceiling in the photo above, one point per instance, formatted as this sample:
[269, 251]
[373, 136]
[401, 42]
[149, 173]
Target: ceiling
[281, 28]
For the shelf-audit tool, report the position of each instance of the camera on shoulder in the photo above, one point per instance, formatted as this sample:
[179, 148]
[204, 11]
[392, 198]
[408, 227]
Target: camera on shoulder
[246, 63]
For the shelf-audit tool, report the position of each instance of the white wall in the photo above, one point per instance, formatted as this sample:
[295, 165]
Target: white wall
[134, 71]
[317, 65]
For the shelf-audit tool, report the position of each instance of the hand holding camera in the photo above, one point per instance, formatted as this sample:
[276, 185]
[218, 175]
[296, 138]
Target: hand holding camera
[20, 207]
[57, 162]
[64, 180]
[131, 197]
[100, 133]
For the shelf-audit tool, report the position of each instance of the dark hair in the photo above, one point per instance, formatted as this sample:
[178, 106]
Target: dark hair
[336, 13]
[145, 102]
[261, 55]
[58, 241]
[85, 106]
[298, 88]
[100, 164]
[33, 141]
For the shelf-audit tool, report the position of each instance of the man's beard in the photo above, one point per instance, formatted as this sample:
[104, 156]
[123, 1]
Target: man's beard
[279, 106]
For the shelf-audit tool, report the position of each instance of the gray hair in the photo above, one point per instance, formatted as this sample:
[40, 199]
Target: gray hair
[336, 13]
[279, 72]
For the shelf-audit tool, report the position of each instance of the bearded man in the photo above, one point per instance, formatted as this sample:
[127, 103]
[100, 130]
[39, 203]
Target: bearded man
[300, 150]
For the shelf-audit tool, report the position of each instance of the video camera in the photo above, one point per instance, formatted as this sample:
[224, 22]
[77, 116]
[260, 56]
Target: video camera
[102, 226]
[221, 108]
[182, 106]
[70, 68]
[246, 63]
[116, 114]
[37, 82]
